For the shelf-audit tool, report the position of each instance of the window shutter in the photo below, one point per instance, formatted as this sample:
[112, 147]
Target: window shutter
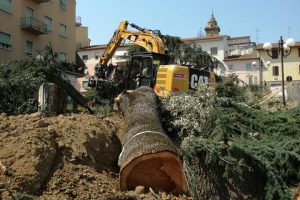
[5, 5]
[29, 47]
[5, 38]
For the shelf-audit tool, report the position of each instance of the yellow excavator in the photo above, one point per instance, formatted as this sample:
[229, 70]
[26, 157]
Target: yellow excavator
[150, 68]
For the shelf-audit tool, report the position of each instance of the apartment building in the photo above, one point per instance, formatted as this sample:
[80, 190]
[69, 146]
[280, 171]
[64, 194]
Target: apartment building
[82, 35]
[28, 26]
[272, 74]
[241, 65]
[240, 55]
[215, 45]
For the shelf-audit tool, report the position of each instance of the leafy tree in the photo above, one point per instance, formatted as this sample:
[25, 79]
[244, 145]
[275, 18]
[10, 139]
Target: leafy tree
[19, 83]
[184, 54]
[136, 49]
[227, 140]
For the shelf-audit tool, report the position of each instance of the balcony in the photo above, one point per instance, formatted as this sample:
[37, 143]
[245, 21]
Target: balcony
[78, 21]
[41, 1]
[33, 25]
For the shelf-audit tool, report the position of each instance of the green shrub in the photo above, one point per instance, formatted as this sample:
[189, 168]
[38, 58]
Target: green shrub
[19, 84]
[225, 125]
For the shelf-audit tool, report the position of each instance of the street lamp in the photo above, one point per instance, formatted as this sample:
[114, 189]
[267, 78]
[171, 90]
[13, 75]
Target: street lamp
[260, 67]
[284, 49]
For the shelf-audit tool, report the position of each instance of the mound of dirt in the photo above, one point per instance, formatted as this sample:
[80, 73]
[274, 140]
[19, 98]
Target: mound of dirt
[59, 155]
[63, 157]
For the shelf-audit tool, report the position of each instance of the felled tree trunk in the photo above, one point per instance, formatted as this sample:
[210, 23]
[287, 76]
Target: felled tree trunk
[148, 158]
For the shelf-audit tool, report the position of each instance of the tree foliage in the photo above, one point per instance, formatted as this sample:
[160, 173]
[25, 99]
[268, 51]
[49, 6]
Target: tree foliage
[183, 53]
[19, 84]
[230, 137]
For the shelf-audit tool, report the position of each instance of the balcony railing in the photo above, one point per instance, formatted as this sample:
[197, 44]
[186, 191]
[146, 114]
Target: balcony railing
[41, 1]
[78, 21]
[33, 25]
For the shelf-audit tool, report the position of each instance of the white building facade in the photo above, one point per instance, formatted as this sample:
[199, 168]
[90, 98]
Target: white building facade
[235, 53]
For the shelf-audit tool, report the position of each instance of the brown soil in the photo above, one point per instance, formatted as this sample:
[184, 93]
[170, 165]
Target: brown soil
[64, 157]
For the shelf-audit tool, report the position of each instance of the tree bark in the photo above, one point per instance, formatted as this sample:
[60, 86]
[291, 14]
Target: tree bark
[148, 158]
[70, 90]
[52, 99]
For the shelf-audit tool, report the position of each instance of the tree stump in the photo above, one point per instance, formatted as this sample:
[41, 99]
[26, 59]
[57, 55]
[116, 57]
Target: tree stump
[52, 99]
[148, 158]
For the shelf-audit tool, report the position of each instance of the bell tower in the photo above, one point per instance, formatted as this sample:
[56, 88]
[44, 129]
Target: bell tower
[212, 27]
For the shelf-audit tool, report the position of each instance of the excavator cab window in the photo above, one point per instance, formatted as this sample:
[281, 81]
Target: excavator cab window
[140, 71]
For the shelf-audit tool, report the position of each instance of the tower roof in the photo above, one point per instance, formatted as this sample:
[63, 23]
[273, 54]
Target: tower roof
[212, 27]
[212, 19]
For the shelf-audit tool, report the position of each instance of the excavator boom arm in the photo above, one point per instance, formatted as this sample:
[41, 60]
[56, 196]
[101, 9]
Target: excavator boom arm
[145, 38]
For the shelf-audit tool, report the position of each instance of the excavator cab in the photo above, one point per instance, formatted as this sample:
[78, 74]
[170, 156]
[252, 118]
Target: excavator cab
[142, 69]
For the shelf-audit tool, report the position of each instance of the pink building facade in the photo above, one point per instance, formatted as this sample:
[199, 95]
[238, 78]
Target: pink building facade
[91, 56]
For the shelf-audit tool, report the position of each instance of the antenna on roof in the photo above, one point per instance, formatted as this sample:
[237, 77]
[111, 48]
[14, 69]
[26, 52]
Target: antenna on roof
[200, 33]
[256, 35]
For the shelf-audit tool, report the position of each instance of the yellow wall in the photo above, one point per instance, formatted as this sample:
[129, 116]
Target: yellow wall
[10, 23]
[82, 39]
[291, 66]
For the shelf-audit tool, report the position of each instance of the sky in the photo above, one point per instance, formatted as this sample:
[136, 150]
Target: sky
[263, 20]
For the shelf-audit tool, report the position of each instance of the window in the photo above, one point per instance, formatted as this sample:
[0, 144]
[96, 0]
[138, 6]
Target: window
[275, 54]
[29, 48]
[275, 71]
[85, 84]
[5, 41]
[249, 80]
[63, 30]
[248, 66]
[85, 71]
[29, 16]
[85, 57]
[5, 5]
[275, 85]
[97, 56]
[299, 69]
[255, 80]
[230, 67]
[63, 4]
[298, 52]
[214, 51]
[62, 57]
[49, 23]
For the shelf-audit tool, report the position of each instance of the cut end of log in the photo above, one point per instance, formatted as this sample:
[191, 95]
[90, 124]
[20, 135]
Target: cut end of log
[159, 171]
